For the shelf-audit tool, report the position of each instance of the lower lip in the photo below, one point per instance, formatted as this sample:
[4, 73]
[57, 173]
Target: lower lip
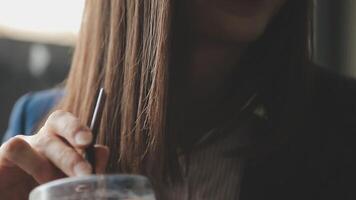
[244, 8]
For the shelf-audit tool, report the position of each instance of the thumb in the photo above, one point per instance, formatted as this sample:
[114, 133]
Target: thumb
[101, 158]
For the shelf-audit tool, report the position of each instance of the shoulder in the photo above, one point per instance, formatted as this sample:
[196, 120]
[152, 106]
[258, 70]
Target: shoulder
[328, 82]
[30, 109]
[320, 160]
[332, 109]
[333, 114]
[333, 92]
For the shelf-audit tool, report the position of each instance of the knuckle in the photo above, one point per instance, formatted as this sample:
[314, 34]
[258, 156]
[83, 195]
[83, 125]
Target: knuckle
[14, 145]
[71, 126]
[43, 130]
[56, 114]
[64, 123]
[52, 119]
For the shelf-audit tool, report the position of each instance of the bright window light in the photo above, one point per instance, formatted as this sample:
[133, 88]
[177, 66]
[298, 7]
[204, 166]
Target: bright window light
[55, 21]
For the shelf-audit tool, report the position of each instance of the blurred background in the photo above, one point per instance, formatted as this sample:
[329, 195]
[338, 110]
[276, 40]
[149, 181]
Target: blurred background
[37, 39]
[335, 35]
[36, 44]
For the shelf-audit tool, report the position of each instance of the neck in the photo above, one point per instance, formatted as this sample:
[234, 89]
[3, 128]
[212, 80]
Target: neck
[204, 87]
[209, 70]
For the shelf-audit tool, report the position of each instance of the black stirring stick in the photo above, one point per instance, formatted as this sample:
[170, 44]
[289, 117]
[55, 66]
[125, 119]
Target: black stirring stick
[94, 127]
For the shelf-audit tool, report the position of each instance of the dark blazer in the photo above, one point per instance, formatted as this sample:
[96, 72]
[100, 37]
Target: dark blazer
[320, 164]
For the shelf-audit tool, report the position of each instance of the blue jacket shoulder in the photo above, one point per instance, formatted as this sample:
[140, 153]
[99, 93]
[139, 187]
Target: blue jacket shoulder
[29, 111]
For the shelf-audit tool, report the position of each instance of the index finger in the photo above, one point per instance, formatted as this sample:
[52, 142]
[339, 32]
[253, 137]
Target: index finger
[69, 127]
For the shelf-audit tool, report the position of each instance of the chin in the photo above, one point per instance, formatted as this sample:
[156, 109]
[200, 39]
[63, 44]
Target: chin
[237, 30]
[233, 24]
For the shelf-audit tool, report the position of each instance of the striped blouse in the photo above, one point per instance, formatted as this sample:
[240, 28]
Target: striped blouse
[212, 172]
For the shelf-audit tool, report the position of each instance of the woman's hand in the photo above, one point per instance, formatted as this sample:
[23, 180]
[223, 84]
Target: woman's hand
[56, 151]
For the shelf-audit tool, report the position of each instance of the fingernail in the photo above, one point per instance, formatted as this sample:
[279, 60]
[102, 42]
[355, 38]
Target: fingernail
[82, 169]
[83, 138]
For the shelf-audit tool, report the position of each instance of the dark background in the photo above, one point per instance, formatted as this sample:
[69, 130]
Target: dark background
[16, 78]
[332, 22]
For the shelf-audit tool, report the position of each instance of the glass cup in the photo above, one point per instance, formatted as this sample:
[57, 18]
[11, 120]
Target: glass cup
[96, 187]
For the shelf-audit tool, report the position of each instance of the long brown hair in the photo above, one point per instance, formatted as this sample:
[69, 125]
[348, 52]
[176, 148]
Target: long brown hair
[124, 46]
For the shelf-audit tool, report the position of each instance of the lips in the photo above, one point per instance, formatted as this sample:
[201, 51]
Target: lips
[243, 1]
[246, 8]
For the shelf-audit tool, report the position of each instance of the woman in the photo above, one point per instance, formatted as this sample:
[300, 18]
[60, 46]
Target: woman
[209, 99]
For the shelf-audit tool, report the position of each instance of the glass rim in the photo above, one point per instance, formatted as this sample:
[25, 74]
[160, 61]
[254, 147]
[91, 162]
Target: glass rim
[93, 177]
